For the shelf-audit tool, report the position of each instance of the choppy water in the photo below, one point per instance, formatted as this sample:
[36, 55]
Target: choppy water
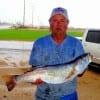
[14, 54]
[14, 58]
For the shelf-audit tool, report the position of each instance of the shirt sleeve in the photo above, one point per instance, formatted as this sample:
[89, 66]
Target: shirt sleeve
[36, 55]
[79, 50]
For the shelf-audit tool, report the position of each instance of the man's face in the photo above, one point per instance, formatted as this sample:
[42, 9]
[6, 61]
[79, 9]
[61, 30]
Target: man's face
[58, 24]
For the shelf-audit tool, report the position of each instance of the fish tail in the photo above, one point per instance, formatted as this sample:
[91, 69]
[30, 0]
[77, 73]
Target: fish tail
[10, 81]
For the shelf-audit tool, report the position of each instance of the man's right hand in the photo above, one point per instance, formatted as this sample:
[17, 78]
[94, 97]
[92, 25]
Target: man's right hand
[37, 82]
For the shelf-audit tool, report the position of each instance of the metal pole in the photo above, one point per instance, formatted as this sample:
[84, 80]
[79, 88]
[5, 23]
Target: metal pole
[24, 14]
[32, 14]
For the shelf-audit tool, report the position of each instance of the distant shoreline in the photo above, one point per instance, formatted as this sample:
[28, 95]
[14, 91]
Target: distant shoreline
[18, 45]
[5, 26]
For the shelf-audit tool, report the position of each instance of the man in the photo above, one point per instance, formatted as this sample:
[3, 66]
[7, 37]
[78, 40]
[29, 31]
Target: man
[56, 48]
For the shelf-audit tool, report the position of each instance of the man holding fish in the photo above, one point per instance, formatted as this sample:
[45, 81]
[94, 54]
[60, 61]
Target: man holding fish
[56, 59]
[56, 48]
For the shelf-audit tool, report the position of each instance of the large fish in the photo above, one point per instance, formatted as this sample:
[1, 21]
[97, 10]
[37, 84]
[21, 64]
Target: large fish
[52, 74]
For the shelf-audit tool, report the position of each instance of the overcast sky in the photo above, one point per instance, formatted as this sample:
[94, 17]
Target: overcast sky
[82, 13]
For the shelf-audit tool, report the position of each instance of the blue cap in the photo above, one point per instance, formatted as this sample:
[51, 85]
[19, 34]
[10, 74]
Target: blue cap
[59, 10]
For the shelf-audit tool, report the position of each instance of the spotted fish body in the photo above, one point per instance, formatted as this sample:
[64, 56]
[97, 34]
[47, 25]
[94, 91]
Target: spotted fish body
[52, 74]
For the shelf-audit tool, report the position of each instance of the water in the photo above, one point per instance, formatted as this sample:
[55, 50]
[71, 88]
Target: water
[5, 26]
[16, 45]
[15, 54]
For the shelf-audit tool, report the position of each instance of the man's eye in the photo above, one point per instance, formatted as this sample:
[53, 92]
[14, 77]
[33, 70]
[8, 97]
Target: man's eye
[62, 20]
[54, 20]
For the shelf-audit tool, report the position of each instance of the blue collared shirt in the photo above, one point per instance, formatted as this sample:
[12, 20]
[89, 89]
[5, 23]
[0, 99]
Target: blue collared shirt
[46, 51]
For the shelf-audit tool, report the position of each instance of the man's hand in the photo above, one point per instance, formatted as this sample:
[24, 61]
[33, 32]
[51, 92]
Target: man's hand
[38, 81]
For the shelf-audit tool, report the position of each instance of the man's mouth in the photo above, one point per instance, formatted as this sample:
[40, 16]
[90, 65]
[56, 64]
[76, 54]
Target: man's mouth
[58, 28]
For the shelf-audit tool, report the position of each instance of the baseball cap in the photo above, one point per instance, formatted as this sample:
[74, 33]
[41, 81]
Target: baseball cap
[59, 10]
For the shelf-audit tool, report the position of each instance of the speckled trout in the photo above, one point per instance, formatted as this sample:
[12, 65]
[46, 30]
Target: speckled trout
[51, 74]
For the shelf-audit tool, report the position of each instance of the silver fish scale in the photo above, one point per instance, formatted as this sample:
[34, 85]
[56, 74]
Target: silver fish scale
[57, 75]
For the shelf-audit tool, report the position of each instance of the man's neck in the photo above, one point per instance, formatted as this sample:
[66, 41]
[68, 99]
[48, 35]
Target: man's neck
[58, 38]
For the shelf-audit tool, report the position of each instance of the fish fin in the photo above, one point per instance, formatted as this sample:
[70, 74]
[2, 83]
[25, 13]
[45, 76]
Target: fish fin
[71, 74]
[9, 81]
